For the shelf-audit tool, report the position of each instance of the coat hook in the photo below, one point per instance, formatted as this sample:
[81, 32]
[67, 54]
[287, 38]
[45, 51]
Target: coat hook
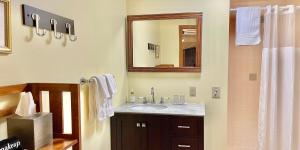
[56, 34]
[36, 18]
[71, 37]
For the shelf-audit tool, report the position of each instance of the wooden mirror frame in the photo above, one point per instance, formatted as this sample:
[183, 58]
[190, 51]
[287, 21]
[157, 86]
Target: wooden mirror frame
[132, 18]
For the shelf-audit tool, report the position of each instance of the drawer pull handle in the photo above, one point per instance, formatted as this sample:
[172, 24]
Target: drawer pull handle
[144, 125]
[138, 125]
[184, 146]
[184, 127]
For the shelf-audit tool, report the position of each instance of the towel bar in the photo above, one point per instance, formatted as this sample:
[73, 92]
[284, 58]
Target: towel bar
[85, 81]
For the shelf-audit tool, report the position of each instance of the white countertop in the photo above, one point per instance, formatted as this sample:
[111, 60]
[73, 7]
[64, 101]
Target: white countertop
[180, 110]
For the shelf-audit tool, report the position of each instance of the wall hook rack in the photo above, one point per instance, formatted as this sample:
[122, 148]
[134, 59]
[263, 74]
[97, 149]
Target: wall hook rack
[43, 20]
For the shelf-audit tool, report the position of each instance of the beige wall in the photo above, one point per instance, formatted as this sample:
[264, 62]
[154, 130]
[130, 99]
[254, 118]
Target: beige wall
[145, 32]
[214, 64]
[100, 25]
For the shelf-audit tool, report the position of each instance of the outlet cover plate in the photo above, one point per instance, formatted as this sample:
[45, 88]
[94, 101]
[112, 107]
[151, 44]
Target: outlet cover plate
[216, 92]
[193, 91]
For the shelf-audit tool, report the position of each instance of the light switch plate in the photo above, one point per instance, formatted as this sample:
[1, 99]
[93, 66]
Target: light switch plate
[193, 91]
[216, 92]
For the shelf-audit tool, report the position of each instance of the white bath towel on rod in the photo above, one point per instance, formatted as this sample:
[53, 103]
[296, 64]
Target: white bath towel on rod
[248, 22]
[112, 88]
[98, 98]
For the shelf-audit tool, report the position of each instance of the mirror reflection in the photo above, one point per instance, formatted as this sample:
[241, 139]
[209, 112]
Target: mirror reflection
[165, 43]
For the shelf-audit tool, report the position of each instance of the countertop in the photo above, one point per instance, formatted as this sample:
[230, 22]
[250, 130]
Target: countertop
[180, 110]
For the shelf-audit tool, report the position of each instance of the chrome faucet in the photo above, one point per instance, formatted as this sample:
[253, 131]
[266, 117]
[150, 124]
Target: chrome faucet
[152, 95]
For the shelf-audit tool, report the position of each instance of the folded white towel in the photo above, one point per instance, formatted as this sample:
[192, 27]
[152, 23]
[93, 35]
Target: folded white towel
[103, 111]
[26, 106]
[109, 108]
[248, 21]
[103, 86]
[111, 83]
[98, 98]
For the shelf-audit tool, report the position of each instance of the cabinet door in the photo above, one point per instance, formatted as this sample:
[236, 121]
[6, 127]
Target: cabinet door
[132, 136]
[157, 136]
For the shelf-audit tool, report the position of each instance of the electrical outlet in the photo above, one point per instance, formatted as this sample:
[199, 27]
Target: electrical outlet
[216, 92]
[193, 91]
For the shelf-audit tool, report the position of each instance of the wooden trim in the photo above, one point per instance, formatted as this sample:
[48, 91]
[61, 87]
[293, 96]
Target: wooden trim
[129, 42]
[7, 111]
[199, 51]
[167, 69]
[76, 116]
[56, 108]
[55, 96]
[131, 18]
[190, 15]
[60, 144]
[12, 89]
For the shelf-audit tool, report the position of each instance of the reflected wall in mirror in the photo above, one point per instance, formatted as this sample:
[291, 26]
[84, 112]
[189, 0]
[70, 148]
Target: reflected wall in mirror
[164, 43]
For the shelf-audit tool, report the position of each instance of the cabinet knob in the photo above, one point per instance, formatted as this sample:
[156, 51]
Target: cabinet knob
[183, 127]
[144, 125]
[138, 125]
[184, 146]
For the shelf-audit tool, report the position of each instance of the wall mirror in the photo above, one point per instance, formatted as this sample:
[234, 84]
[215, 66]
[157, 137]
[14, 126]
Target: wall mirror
[5, 27]
[164, 42]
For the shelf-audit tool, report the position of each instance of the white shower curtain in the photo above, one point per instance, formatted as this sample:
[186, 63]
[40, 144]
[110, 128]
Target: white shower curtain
[280, 80]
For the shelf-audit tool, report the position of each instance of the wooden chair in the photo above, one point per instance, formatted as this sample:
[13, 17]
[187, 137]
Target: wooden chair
[61, 141]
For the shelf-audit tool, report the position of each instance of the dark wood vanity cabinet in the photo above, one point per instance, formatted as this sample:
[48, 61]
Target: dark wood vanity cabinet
[156, 132]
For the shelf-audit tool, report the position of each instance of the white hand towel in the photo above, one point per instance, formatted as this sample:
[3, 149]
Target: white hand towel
[104, 96]
[99, 96]
[109, 108]
[112, 86]
[103, 86]
[26, 106]
[248, 21]
[111, 83]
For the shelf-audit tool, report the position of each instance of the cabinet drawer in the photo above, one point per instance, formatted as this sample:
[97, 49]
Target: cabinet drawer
[185, 127]
[185, 144]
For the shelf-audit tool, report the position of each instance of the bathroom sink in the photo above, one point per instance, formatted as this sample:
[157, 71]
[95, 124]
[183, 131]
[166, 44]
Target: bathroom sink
[147, 107]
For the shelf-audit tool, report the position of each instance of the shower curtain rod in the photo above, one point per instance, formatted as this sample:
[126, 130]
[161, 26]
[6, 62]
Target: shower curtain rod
[264, 8]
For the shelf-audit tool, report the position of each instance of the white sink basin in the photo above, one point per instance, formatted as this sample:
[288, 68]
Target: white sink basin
[147, 107]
